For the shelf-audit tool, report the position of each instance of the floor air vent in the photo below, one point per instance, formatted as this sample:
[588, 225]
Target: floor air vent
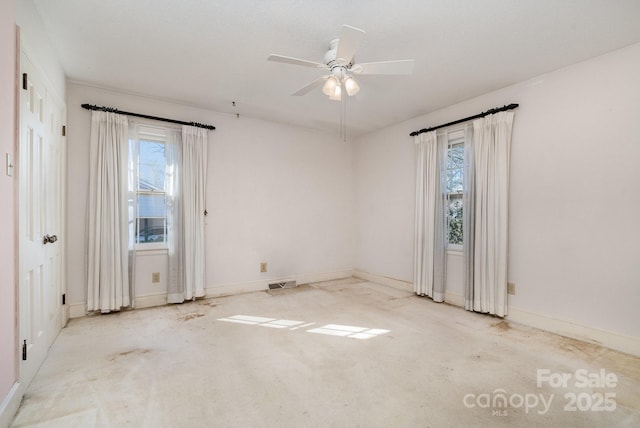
[280, 285]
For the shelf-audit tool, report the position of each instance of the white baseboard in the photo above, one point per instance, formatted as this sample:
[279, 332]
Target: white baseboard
[263, 284]
[609, 339]
[77, 310]
[617, 341]
[451, 298]
[384, 280]
[10, 405]
[150, 300]
[454, 299]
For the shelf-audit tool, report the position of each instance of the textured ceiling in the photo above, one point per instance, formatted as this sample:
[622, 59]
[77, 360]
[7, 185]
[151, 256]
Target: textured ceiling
[209, 53]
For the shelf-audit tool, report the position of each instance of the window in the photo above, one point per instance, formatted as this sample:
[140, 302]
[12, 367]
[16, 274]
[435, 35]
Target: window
[149, 159]
[454, 187]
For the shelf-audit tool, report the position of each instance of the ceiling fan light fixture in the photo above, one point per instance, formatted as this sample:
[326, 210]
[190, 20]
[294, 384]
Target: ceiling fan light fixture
[336, 95]
[330, 86]
[351, 86]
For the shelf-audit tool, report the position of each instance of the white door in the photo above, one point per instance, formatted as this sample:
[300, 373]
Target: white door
[41, 207]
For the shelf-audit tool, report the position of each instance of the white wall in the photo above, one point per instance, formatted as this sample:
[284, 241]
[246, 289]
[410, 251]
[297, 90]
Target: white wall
[8, 247]
[275, 193]
[574, 232]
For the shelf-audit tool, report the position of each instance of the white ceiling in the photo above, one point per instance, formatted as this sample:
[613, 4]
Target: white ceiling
[209, 53]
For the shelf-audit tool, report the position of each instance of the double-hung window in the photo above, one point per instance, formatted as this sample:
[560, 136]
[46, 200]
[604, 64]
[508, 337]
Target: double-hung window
[454, 177]
[148, 157]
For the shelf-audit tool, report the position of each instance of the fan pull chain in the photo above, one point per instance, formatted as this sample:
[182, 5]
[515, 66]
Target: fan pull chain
[343, 118]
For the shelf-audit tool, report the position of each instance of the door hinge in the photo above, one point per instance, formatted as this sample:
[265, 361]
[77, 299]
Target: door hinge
[64, 130]
[24, 81]
[24, 350]
[64, 298]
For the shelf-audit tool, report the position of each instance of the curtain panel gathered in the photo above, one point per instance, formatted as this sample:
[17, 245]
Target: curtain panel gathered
[429, 247]
[485, 204]
[486, 215]
[187, 264]
[111, 211]
[108, 285]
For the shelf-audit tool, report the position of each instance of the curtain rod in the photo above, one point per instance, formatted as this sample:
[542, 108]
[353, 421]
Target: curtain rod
[477, 116]
[146, 116]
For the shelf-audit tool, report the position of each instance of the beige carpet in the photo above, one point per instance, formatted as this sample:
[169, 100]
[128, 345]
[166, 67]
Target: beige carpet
[337, 354]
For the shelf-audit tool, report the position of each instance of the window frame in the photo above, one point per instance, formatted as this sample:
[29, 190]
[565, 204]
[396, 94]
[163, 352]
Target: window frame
[153, 135]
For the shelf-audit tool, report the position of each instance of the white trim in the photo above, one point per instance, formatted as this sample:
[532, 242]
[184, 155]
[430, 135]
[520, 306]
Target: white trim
[454, 299]
[384, 280]
[77, 310]
[609, 339]
[26, 50]
[150, 300]
[263, 284]
[11, 403]
[148, 251]
[451, 298]
[455, 134]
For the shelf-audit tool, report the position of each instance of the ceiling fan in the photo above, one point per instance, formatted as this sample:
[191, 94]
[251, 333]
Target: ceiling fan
[339, 61]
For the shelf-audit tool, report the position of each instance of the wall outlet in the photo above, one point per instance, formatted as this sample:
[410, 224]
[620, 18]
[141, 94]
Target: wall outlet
[511, 288]
[263, 266]
[155, 277]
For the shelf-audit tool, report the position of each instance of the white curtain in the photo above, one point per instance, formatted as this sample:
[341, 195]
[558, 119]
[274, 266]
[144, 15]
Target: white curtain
[175, 228]
[187, 269]
[108, 286]
[486, 275]
[429, 246]
[468, 216]
[132, 174]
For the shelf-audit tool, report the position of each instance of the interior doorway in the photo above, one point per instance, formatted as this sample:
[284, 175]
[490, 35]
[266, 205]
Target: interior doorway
[41, 199]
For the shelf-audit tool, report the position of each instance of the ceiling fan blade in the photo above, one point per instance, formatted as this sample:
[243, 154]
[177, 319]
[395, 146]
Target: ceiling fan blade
[404, 66]
[306, 89]
[349, 41]
[295, 61]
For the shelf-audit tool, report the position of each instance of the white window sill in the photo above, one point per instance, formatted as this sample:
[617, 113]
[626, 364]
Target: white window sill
[152, 249]
[455, 250]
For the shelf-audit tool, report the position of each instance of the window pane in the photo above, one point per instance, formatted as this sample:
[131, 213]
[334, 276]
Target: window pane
[455, 221]
[455, 165]
[454, 181]
[152, 165]
[455, 158]
[151, 205]
[151, 230]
